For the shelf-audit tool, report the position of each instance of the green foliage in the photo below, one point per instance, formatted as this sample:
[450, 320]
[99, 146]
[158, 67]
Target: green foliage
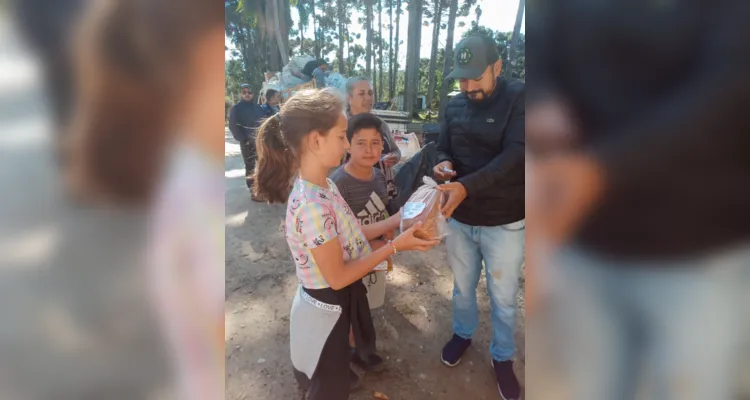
[250, 57]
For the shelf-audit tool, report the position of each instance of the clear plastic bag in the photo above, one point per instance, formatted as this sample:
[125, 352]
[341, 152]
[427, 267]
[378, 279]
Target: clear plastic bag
[424, 205]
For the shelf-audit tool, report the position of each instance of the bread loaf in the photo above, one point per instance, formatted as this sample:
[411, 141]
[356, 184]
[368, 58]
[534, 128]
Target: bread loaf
[424, 205]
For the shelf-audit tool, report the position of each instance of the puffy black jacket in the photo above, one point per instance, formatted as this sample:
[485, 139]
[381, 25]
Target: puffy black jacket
[244, 119]
[486, 143]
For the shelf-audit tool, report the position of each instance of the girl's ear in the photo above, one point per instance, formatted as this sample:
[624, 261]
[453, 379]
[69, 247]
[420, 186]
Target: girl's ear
[314, 141]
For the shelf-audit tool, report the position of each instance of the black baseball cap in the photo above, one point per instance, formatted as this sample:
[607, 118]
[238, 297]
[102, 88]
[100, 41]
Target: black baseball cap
[472, 57]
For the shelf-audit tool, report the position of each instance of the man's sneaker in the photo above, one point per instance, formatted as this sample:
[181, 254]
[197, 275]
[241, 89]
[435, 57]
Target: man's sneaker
[374, 362]
[507, 383]
[454, 350]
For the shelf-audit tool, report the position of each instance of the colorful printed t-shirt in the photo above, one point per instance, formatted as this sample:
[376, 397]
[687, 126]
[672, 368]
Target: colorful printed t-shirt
[316, 215]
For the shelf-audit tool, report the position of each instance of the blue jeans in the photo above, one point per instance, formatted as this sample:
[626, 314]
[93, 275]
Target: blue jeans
[678, 324]
[502, 250]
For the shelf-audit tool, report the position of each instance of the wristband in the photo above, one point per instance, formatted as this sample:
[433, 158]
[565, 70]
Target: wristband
[395, 251]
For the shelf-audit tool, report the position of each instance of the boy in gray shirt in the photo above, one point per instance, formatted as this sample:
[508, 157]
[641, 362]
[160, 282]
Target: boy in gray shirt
[361, 184]
[364, 189]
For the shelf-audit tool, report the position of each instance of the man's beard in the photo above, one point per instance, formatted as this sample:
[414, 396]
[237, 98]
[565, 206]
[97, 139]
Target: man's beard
[472, 95]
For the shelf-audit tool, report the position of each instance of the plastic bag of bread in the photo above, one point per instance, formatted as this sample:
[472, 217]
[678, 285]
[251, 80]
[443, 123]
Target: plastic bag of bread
[424, 205]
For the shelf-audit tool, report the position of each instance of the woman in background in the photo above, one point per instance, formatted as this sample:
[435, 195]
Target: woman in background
[143, 139]
[360, 99]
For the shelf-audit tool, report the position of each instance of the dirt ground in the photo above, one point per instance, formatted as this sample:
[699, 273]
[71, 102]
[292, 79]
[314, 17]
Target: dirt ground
[412, 326]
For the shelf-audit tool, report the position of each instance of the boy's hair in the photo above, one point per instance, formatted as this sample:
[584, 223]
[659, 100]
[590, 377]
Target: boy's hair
[364, 121]
[279, 139]
[270, 93]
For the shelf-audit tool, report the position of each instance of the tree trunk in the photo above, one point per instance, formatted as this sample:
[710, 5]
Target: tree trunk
[316, 41]
[412, 53]
[260, 43]
[279, 14]
[448, 65]
[301, 25]
[340, 52]
[273, 39]
[390, 50]
[432, 79]
[394, 78]
[301, 37]
[380, 50]
[513, 48]
[368, 27]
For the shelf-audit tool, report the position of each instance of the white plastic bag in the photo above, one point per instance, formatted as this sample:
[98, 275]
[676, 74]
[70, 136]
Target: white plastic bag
[424, 205]
[408, 143]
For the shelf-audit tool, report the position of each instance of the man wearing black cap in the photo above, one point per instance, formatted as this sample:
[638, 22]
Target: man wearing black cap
[481, 147]
[244, 119]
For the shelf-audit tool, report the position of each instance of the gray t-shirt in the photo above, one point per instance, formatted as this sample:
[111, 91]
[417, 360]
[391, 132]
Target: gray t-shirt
[367, 199]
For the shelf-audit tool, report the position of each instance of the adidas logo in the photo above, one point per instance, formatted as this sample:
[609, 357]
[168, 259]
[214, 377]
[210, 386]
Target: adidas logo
[374, 211]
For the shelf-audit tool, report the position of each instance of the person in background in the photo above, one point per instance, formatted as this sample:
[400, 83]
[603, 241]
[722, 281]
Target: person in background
[360, 99]
[244, 119]
[52, 40]
[641, 192]
[481, 146]
[273, 100]
[168, 162]
[364, 189]
[320, 73]
[329, 247]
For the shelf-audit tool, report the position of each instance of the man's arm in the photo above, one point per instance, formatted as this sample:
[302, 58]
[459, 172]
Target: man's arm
[509, 161]
[444, 139]
[699, 118]
[237, 132]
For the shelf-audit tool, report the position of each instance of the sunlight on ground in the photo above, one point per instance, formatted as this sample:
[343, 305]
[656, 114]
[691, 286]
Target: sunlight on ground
[399, 278]
[236, 220]
[235, 173]
[31, 248]
[236, 313]
[231, 149]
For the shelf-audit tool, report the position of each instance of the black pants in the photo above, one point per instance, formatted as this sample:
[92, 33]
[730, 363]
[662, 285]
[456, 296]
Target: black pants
[249, 156]
[331, 378]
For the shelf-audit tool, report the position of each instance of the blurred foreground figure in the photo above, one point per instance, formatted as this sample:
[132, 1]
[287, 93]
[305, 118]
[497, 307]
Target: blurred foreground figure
[639, 130]
[142, 138]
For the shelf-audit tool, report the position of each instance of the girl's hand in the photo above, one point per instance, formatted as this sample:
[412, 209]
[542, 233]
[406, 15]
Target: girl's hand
[389, 235]
[406, 241]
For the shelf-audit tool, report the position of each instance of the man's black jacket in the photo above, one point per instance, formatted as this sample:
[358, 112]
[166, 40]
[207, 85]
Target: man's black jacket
[661, 90]
[486, 142]
[244, 118]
